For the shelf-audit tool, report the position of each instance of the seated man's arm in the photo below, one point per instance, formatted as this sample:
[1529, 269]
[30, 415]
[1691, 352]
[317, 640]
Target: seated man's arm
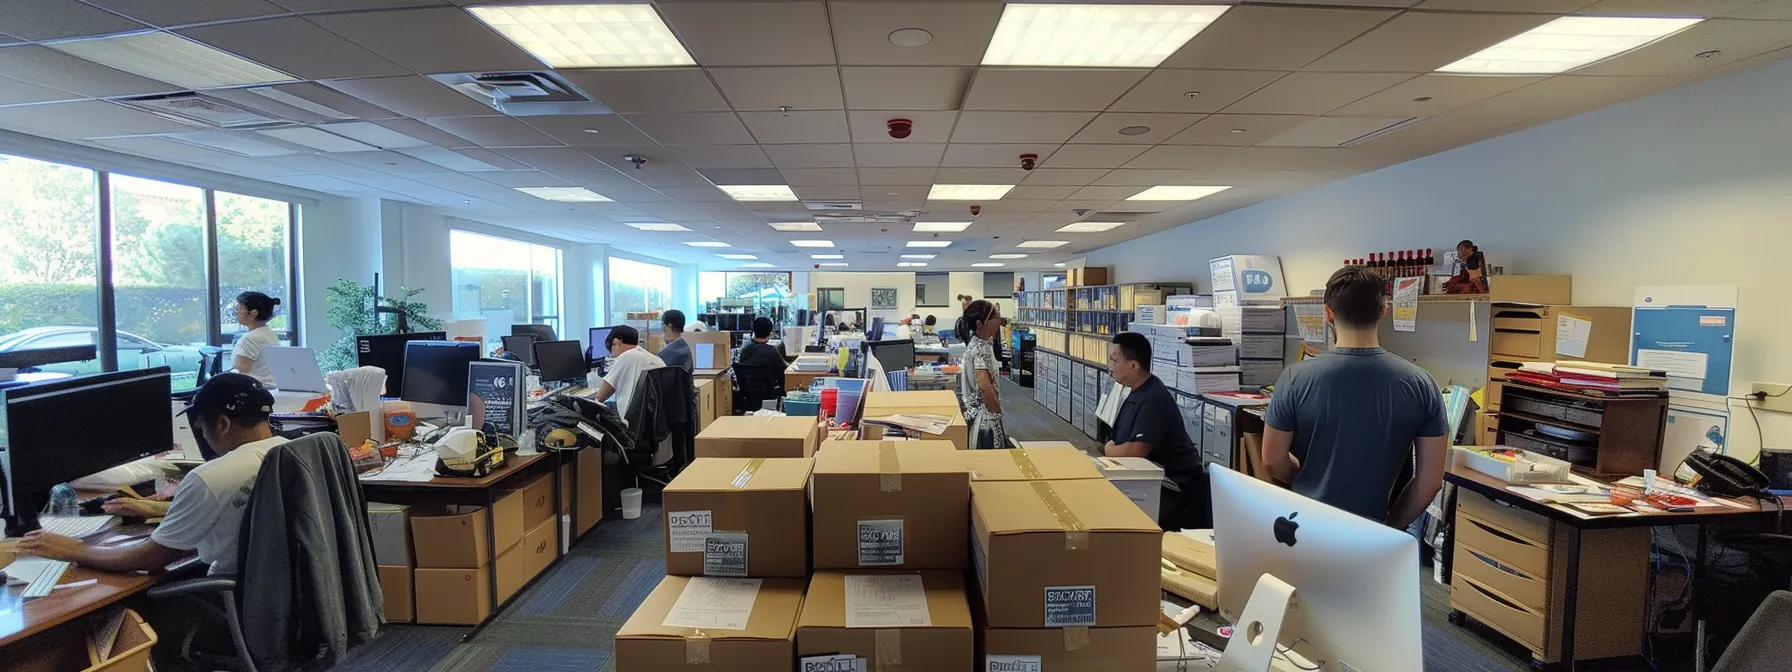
[604, 392]
[1150, 428]
[1128, 449]
[147, 555]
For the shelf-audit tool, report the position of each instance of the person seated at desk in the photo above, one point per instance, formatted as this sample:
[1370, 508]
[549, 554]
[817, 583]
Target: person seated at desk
[1149, 425]
[1341, 426]
[253, 310]
[929, 326]
[629, 363]
[760, 351]
[677, 351]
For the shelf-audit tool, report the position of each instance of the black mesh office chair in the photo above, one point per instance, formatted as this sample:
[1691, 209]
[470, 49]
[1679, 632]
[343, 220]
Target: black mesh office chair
[755, 385]
[1765, 642]
[662, 414]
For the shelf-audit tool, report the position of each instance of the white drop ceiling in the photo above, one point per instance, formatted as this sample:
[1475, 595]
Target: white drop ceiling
[1274, 97]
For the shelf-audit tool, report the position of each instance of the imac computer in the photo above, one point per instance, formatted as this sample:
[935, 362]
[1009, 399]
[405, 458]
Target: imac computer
[59, 431]
[520, 348]
[541, 332]
[1353, 582]
[386, 351]
[594, 343]
[561, 361]
[435, 378]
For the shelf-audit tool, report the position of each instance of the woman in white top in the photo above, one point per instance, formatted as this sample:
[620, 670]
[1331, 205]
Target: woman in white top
[253, 310]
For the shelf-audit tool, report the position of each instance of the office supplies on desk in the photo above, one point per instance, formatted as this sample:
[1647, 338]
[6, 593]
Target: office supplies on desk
[46, 579]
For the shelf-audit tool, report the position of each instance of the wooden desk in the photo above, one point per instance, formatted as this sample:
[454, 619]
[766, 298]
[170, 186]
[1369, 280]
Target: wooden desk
[799, 380]
[21, 619]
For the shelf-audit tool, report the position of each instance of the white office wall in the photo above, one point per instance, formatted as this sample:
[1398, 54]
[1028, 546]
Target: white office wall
[858, 289]
[1692, 186]
[338, 238]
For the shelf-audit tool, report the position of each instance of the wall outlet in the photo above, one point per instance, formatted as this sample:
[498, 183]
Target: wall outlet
[1779, 398]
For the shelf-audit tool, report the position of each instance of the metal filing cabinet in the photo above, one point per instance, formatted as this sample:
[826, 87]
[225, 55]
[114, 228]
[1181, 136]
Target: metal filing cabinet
[1216, 435]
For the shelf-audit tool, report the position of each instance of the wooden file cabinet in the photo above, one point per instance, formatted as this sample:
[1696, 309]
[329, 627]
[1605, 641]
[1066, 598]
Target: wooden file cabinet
[1528, 333]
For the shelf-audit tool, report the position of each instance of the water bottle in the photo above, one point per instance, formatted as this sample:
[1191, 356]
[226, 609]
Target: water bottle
[64, 503]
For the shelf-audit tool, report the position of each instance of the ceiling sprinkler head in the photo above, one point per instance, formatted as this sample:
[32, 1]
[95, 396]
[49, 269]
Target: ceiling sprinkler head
[636, 159]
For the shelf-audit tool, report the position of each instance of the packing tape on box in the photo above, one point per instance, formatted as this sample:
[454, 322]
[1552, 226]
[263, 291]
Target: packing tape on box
[696, 648]
[747, 472]
[1076, 638]
[1076, 535]
[886, 650]
[889, 468]
[1024, 463]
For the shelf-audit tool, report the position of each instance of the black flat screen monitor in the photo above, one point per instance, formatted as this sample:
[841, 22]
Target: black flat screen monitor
[386, 351]
[63, 430]
[560, 360]
[435, 372]
[894, 354]
[521, 348]
[541, 332]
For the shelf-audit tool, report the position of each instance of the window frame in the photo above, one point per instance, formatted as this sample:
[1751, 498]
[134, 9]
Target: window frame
[558, 313]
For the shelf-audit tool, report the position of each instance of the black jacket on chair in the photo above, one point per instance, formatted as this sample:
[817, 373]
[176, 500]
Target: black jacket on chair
[664, 404]
[309, 589]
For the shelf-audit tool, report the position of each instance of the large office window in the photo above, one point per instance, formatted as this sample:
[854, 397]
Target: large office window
[177, 256]
[499, 278]
[729, 289]
[637, 287]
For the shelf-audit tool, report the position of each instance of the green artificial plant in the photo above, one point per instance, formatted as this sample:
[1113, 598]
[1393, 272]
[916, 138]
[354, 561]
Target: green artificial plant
[352, 311]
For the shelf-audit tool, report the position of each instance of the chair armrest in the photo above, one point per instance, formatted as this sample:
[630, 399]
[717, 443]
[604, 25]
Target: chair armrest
[205, 586]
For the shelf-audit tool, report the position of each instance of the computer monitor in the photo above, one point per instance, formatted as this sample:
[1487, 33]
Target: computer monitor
[893, 354]
[595, 347]
[541, 332]
[1356, 580]
[520, 347]
[435, 374]
[59, 431]
[386, 351]
[560, 360]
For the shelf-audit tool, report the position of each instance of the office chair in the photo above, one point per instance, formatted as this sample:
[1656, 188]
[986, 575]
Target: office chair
[755, 385]
[663, 413]
[1765, 642]
[305, 529]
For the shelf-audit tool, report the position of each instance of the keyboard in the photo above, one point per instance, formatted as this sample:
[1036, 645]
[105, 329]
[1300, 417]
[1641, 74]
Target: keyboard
[46, 580]
[75, 526]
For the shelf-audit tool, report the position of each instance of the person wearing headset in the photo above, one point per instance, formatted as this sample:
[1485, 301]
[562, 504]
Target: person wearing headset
[253, 310]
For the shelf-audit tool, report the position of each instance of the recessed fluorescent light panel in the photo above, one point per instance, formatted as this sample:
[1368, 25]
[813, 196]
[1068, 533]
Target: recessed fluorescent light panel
[1007, 256]
[757, 265]
[170, 58]
[1089, 227]
[706, 243]
[1175, 193]
[738, 257]
[565, 194]
[796, 226]
[941, 227]
[1043, 244]
[1568, 43]
[812, 243]
[758, 192]
[589, 36]
[832, 264]
[827, 256]
[919, 256]
[911, 264]
[968, 192]
[655, 226]
[930, 243]
[1098, 36]
[987, 264]
[374, 134]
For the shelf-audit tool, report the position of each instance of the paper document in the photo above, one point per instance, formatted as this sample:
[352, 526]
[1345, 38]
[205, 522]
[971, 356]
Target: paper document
[1310, 318]
[714, 604]
[1686, 369]
[1406, 304]
[926, 423]
[1571, 335]
[417, 468]
[883, 601]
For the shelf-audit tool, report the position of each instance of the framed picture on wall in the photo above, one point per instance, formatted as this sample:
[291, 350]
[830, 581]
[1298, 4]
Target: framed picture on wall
[883, 298]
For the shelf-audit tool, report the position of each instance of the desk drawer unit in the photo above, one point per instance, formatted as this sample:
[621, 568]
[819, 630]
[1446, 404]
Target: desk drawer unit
[1530, 592]
[1497, 612]
[1510, 549]
[1517, 521]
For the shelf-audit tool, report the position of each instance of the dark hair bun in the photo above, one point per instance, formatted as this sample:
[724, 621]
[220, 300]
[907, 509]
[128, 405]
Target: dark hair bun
[276, 302]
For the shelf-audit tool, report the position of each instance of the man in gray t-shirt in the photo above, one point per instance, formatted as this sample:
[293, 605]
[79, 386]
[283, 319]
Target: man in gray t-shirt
[1342, 427]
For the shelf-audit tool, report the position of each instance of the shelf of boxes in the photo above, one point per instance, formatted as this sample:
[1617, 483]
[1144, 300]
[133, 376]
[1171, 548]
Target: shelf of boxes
[1260, 333]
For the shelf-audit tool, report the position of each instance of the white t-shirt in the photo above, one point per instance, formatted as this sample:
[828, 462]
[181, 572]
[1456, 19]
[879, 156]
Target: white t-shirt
[250, 346]
[626, 371]
[207, 512]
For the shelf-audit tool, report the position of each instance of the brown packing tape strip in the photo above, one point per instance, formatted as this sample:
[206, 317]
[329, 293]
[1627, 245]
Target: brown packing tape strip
[1024, 462]
[886, 650]
[1076, 535]
[696, 648]
[1076, 638]
[889, 468]
[746, 473]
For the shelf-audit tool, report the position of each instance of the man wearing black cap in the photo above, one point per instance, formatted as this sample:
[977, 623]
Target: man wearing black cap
[231, 415]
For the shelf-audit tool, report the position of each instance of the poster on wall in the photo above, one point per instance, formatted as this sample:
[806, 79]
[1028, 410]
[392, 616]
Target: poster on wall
[1406, 304]
[1690, 332]
[883, 298]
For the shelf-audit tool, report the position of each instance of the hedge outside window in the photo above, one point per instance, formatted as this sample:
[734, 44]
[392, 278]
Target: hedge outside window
[49, 267]
[637, 287]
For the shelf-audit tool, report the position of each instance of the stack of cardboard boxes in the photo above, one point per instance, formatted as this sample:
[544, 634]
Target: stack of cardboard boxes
[1247, 292]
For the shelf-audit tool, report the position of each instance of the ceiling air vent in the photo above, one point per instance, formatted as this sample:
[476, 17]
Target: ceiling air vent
[521, 94]
[833, 205]
[204, 111]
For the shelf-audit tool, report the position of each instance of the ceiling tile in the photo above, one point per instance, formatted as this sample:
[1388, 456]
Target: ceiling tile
[904, 88]
[817, 176]
[425, 132]
[1766, 9]
[810, 156]
[797, 127]
[873, 126]
[1009, 175]
[1003, 205]
[555, 159]
[827, 193]
[1330, 131]
[492, 158]
[692, 128]
[1019, 127]
[494, 131]
[1110, 193]
[1168, 90]
[1049, 89]
[1563, 96]
[661, 170]
[1182, 157]
[44, 66]
[1105, 129]
[1147, 177]
[295, 46]
[1041, 193]
[1422, 41]
[430, 41]
[386, 162]
[1274, 38]
[650, 90]
[165, 13]
[336, 5]
[1674, 55]
[752, 33]
[1664, 7]
[316, 93]
[1345, 3]
[1433, 94]
[893, 155]
[410, 96]
[896, 176]
[723, 156]
[575, 129]
[1068, 176]
[961, 31]
[1315, 92]
[1092, 156]
[694, 194]
[744, 176]
[992, 156]
[85, 119]
[1538, 6]
[15, 92]
[1295, 158]
[1239, 130]
[800, 88]
[56, 19]
[1437, 134]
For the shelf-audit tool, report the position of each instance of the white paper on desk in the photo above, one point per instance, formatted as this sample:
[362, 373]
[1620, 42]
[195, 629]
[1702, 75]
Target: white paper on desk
[416, 469]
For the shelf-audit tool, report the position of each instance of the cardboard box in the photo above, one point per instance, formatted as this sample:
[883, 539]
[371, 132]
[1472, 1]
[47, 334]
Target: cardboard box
[1055, 554]
[1087, 276]
[1141, 480]
[947, 641]
[1254, 278]
[750, 436]
[539, 548]
[928, 402]
[766, 644]
[463, 596]
[390, 527]
[706, 402]
[454, 537]
[1108, 650]
[1035, 462]
[1543, 289]
[538, 502]
[890, 505]
[395, 593]
[589, 491]
[721, 507]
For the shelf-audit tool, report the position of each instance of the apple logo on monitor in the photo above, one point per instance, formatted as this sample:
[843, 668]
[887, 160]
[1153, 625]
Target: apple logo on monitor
[1285, 527]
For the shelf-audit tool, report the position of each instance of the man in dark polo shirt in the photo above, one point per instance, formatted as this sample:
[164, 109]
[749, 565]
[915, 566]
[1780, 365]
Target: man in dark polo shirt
[1149, 425]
